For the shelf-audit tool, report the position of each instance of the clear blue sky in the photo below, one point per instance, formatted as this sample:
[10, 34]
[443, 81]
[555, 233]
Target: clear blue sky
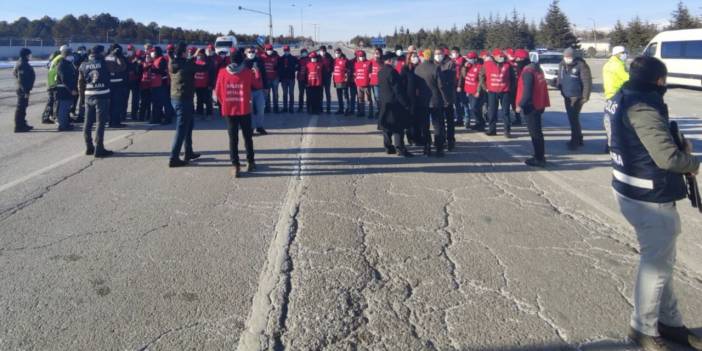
[341, 19]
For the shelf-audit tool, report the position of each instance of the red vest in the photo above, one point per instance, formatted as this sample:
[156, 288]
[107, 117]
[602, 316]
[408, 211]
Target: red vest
[362, 73]
[539, 97]
[147, 77]
[314, 74]
[202, 79]
[340, 70]
[400, 63]
[375, 68]
[165, 78]
[471, 85]
[497, 76]
[301, 70]
[271, 65]
[459, 62]
[233, 92]
[257, 79]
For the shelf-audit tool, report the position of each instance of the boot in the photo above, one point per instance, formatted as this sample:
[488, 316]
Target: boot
[250, 166]
[533, 162]
[508, 134]
[101, 152]
[90, 150]
[176, 162]
[23, 128]
[236, 171]
[390, 150]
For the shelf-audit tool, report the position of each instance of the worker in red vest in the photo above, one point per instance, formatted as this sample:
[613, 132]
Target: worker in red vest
[202, 84]
[459, 105]
[473, 91]
[532, 100]
[145, 78]
[314, 80]
[361, 74]
[301, 79]
[497, 75]
[270, 62]
[510, 54]
[233, 91]
[376, 65]
[340, 78]
[352, 88]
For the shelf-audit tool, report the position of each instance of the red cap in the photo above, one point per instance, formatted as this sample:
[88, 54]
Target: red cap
[521, 54]
[497, 52]
[509, 52]
[360, 53]
[472, 55]
[210, 46]
[130, 47]
[170, 47]
[484, 53]
[313, 54]
[286, 47]
[232, 50]
[268, 47]
[139, 53]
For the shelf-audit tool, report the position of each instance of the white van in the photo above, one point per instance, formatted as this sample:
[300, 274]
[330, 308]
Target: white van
[225, 43]
[681, 51]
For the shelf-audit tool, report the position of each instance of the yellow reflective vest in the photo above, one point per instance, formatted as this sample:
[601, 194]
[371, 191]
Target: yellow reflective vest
[614, 75]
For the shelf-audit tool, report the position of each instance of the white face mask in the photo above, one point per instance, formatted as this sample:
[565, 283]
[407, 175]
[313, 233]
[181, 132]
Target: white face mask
[69, 58]
[398, 52]
[269, 52]
[337, 55]
[153, 55]
[499, 59]
[414, 60]
[454, 55]
[304, 54]
[361, 58]
[471, 61]
[313, 60]
[250, 55]
[568, 60]
[438, 58]
[29, 57]
[320, 53]
[624, 56]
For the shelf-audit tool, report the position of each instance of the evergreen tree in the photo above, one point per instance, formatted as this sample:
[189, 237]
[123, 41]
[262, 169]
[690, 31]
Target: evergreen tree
[556, 28]
[618, 35]
[683, 19]
[639, 33]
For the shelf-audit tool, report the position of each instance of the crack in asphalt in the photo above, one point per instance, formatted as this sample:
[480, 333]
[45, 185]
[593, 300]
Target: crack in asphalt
[163, 334]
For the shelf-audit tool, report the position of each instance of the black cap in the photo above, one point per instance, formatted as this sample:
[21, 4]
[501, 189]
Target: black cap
[24, 52]
[323, 48]
[238, 57]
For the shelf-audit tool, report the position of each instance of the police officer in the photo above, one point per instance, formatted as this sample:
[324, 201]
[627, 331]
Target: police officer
[66, 88]
[50, 109]
[614, 75]
[648, 169]
[24, 74]
[94, 82]
[117, 64]
[80, 55]
[575, 84]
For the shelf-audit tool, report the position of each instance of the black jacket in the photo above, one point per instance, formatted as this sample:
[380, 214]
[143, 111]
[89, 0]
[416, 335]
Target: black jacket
[256, 62]
[429, 94]
[182, 72]
[447, 81]
[393, 100]
[94, 78]
[286, 67]
[410, 81]
[66, 80]
[25, 76]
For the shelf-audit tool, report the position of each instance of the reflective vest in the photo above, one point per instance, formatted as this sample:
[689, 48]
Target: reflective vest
[539, 92]
[233, 92]
[635, 174]
[202, 78]
[362, 73]
[340, 65]
[314, 74]
[375, 68]
[471, 84]
[53, 71]
[614, 75]
[497, 77]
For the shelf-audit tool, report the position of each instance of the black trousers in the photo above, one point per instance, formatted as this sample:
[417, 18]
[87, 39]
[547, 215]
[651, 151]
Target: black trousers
[450, 121]
[536, 132]
[341, 95]
[393, 139]
[327, 91]
[234, 123]
[573, 107]
[438, 121]
[21, 110]
[301, 87]
[420, 127]
[314, 100]
[145, 105]
[204, 101]
[135, 98]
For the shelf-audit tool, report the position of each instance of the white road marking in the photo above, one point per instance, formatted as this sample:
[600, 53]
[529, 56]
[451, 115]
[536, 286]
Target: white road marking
[52, 166]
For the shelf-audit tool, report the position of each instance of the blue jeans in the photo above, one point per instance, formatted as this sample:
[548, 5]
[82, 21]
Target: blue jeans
[64, 108]
[288, 94]
[258, 102]
[503, 100]
[272, 87]
[376, 94]
[184, 127]
[460, 106]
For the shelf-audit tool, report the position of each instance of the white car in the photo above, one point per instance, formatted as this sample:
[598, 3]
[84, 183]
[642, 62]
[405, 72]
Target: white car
[549, 62]
[681, 51]
[224, 44]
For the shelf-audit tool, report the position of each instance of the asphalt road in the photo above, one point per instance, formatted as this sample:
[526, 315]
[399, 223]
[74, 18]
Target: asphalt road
[331, 245]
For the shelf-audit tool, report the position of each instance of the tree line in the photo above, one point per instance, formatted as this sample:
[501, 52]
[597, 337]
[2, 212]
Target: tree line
[554, 31]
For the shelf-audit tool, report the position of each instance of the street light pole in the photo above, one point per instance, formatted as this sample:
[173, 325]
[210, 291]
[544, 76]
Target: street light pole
[302, 8]
[594, 32]
[270, 19]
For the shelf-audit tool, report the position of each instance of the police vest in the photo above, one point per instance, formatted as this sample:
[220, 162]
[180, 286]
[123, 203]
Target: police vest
[97, 77]
[497, 77]
[539, 93]
[635, 174]
[571, 82]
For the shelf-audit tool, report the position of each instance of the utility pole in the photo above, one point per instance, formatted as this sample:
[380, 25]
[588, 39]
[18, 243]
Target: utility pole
[302, 8]
[594, 32]
[315, 25]
[270, 19]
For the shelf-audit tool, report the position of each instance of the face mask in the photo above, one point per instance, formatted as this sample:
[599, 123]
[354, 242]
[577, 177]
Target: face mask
[153, 55]
[499, 59]
[29, 57]
[361, 58]
[662, 89]
[269, 52]
[314, 60]
[471, 61]
[377, 56]
[454, 55]
[336, 55]
[208, 52]
[568, 60]
[251, 56]
[398, 52]
[304, 54]
[223, 54]
[438, 58]
[69, 58]
[414, 60]
[321, 53]
[201, 58]
[624, 56]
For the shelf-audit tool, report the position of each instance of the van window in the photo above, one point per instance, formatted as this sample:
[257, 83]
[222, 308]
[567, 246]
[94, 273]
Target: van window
[651, 50]
[682, 50]
[225, 44]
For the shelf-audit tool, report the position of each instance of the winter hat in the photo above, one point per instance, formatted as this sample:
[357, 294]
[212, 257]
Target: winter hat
[65, 50]
[472, 55]
[497, 52]
[521, 54]
[618, 50]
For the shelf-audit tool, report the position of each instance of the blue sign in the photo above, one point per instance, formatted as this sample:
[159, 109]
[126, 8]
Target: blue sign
[261, 40]
[379, 41]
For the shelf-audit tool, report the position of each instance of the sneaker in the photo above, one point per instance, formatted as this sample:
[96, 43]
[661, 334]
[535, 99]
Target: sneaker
[533, 162]
[680, 335]
[102, 153]
[90, 150]
[261, 131]
[176, 162]
[23, 129]
[647, 342]
[491, 133]
[192, 156]
[250, 167]
[390, 150]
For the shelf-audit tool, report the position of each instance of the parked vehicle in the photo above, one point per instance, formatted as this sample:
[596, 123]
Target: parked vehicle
[225, 43]
[549, 61]
[681, 51]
